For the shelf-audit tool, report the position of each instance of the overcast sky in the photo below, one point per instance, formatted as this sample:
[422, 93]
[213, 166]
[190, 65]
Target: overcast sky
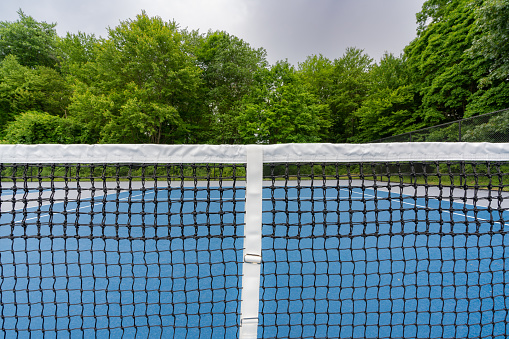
[287, 29]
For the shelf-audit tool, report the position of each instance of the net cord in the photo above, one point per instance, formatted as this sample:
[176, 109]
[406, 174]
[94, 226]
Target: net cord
[236, 154]
[252, 244]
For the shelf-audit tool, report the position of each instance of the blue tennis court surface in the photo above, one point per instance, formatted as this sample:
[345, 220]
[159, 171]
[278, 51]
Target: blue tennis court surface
[386, 269]
[336, 263]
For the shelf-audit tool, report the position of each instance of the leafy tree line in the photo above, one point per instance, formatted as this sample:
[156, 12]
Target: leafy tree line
[149, 81]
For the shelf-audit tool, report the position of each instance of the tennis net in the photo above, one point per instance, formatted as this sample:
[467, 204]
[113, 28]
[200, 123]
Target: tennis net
[287, 241]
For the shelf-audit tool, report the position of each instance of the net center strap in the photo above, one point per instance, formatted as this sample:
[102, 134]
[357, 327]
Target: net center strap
[252, 243]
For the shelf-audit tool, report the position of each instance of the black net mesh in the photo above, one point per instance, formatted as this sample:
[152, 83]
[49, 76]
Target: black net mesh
[359, 250]
[385, 250]
[120, 250]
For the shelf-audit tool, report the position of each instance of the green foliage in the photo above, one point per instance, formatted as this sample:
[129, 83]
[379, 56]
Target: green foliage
[317, 72]
[350, 87]
[139, 118]
[42, 128]
[495, 130]
[32, 42]
[90, 109]
[386, 112]
[151, 82]
[23, 89]
[493, 98]
[149, 75]
[439, 134]
[76, 53]
[445, 73]
[390, 102]
[493, 41]
[343, 85]
[229, 65]
[432, 11]
[280, 110]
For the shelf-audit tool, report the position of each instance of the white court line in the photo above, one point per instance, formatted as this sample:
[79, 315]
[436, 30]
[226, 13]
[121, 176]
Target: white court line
[122, 199]
[374, 196]
[415, 204]
[74, 209]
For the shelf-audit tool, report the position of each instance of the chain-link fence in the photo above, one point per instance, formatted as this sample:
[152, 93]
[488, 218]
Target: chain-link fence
[490, 127]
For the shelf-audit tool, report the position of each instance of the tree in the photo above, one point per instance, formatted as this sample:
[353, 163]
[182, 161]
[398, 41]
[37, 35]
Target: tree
[281, 110]
[229, 65]
[25, 89]
[91, 109]
[492, 42]
[390, 103]
[446, 75]
[76, 55]
[433, 11]
[42, 128]
[32, 42]
[316, 72]
[145, 84]
[141, 118]
[496, 129]
[350, 88]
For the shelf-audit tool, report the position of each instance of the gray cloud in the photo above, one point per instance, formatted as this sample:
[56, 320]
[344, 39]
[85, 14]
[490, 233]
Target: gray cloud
[297, 29]
[287, 29]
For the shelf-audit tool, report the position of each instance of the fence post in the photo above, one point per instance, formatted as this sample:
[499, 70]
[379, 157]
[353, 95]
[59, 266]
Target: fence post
[459, 130]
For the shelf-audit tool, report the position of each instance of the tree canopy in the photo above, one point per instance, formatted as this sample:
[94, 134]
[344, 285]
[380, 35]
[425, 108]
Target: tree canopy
[32, 42]
[150, 81]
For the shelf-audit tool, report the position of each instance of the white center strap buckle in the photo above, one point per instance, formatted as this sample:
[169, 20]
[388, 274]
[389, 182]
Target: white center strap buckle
[253, 258]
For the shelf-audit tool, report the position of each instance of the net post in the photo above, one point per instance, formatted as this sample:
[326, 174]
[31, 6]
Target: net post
[252, 244]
